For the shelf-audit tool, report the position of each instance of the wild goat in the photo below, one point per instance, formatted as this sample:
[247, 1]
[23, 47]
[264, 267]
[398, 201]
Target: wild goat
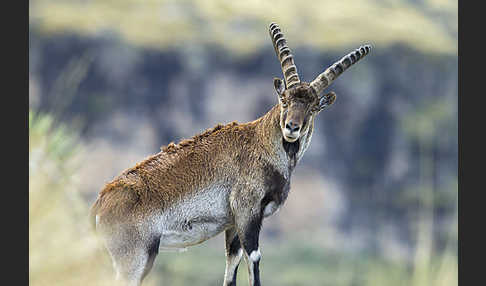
[226, 179]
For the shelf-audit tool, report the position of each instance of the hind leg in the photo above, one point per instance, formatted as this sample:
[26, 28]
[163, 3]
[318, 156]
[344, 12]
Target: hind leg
[152, 252]
[129, 266]
[132, 259]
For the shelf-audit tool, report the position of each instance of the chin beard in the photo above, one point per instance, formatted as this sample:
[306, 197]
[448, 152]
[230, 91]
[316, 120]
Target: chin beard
[291, 148]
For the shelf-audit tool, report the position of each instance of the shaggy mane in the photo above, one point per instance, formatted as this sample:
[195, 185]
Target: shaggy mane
[172, 147]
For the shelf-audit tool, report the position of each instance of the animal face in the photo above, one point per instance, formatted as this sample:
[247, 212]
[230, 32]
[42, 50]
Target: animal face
[298, 107]
[301, 101]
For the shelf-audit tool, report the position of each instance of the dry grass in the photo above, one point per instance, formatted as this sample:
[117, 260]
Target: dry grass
[62, 248]
[241, 26]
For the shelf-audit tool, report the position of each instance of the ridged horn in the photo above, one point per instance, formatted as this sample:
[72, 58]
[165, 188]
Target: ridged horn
[284, 55]
[331, 73]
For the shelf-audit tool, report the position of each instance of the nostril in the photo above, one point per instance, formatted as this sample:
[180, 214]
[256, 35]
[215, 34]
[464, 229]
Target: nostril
[292, 127]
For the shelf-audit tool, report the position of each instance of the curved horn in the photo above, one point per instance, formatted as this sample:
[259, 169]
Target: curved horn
[284, 55]
[331, 73]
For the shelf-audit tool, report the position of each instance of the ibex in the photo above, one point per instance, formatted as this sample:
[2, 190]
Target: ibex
[226, 179]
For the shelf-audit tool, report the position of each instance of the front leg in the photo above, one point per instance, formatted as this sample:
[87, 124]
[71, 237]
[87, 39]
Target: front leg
[248, 229]
[233, 256]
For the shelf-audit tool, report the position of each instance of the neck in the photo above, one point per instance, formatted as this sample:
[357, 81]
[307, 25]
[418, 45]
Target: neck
[287, 154]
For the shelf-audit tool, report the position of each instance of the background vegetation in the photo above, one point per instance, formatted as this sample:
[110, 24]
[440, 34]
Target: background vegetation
[374, 200]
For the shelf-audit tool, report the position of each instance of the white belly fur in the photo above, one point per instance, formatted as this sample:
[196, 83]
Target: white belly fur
[194, 219]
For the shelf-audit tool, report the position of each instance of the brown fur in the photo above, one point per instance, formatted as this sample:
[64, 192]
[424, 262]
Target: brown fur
[227, 178]
[252, 164]
[179, 169]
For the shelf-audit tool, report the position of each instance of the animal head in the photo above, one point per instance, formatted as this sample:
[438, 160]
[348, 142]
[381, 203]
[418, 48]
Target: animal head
[300, 101]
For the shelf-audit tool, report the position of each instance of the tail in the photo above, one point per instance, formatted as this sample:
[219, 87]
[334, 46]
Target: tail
[93, 214]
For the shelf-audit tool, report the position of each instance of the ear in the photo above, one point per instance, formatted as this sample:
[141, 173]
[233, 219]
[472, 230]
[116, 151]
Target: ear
[279, 86]
[326, 100]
